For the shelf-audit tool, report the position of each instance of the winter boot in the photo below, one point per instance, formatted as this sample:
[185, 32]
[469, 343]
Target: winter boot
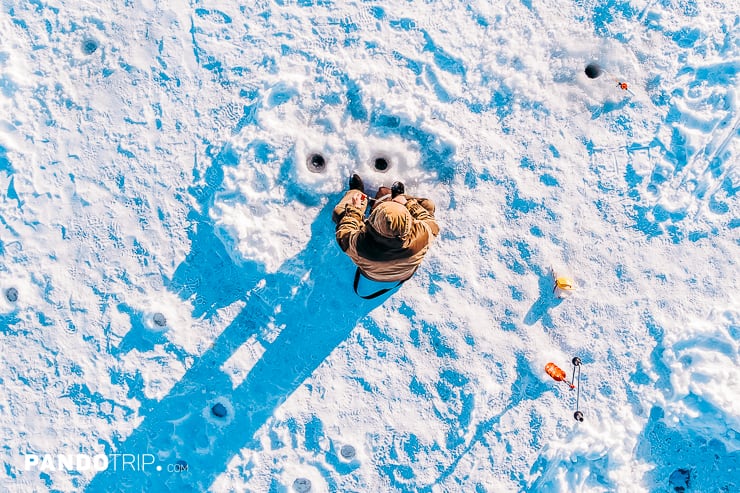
[355, 183]
[397, 189]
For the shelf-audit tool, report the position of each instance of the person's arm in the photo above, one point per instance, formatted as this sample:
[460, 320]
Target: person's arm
[350, 222]
[421, 213]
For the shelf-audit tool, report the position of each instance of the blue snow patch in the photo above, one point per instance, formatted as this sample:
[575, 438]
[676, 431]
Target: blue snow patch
[684, 459]
[4, 161]
[438, 341]
[527, 163]
[388, 121]
[414, 65]
[536, 231]
[11, 192]
[439, 90]
[8, 86]
[720, 74]
[8, 322]
[355, 105]
[686, 37]
[377, 12]
[213, 14]
[248, 118]
[549, 180]
[442, 59]
[403, 24]
[502, 100]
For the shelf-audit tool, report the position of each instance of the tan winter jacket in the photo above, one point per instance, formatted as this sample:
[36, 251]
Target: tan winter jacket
[381, 255]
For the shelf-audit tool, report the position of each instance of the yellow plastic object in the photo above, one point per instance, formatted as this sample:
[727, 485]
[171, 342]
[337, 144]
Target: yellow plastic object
[564, 283]
[564, 287]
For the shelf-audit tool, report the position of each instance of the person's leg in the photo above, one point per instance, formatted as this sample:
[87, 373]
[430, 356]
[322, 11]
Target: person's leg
[384, 193]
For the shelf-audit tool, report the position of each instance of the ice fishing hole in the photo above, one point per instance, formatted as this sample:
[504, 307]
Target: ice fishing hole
[219, 410]
[381, 164]
[89, 46]
[316, 163]
[347, 452]
[159, 320]
[302, 485]
[593, 70]
[11, 295]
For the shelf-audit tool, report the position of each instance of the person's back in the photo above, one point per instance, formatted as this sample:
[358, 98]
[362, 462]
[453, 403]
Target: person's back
[390, 244]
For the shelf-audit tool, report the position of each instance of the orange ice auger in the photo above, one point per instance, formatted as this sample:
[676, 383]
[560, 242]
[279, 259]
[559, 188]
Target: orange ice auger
[558, 375]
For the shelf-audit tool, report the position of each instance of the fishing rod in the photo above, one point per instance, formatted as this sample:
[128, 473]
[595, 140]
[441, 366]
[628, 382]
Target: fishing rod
[397, 189]
[558, 375]
[578, 415]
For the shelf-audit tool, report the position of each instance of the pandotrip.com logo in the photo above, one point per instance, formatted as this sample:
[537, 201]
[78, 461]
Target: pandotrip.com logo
[143, 463]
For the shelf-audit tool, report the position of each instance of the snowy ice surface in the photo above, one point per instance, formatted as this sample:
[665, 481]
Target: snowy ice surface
[165, 248]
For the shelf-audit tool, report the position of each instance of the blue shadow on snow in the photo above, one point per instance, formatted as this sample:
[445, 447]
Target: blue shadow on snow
[546, 301]
[318, 311]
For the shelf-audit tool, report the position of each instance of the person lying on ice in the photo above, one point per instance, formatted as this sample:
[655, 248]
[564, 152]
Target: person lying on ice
[389, 245]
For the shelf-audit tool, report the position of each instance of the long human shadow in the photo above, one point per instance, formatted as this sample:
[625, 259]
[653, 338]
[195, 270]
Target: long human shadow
[547, 299]
[317, 312]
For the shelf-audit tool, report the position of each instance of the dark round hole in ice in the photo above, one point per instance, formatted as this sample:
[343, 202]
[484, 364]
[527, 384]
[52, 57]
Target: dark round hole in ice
[680, 479]
[593, 70]
[183, 465]
[11, 294]
[316, 163]
[159, 320]
[347, 451]
[89, 46]
[381, 164]
[302, 485]
[219, 410]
